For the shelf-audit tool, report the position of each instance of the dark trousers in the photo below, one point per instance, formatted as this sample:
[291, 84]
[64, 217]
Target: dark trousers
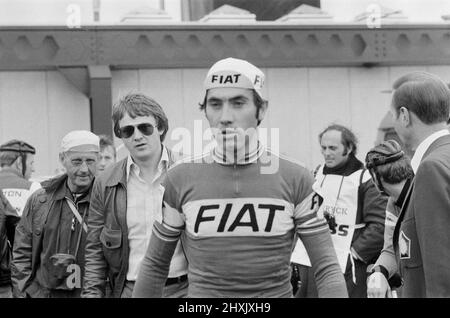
[65, 293]
[307, 285]
[177, 290]
[6, 291]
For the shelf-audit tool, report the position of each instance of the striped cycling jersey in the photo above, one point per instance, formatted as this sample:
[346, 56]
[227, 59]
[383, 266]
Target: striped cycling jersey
[239, 223]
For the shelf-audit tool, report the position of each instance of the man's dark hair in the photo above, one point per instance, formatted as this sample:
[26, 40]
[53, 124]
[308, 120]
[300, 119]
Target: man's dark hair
[106, 141]
[424, 94]
[7, 158]
[140, 105]
[257, 100]
[392, 172]
[13, 149]
[348, 138]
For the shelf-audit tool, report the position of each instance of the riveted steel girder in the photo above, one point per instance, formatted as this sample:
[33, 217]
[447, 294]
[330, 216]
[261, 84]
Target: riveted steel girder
[199, 45]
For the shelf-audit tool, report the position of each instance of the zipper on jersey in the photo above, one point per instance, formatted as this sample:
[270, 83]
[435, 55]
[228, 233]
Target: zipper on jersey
[236, 179]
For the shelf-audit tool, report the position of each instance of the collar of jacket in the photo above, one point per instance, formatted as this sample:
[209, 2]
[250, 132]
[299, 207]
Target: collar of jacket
[117, 173]
[350, 166]
[58, 189]
[11, 171]
[443, 140]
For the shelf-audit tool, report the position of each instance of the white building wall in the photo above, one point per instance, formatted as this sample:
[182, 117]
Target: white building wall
[40, 108]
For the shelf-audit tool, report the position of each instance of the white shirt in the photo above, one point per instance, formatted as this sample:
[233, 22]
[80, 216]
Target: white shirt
[144, 201]
[423, 147]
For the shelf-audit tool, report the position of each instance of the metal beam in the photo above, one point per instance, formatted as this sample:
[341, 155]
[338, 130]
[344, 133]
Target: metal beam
[198, 45]
[101, 99]
[78, 76]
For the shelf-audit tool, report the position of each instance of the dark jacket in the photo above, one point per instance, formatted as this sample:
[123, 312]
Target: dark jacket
[8, 222]
[107, 247]
[30, 232]
[422, 236]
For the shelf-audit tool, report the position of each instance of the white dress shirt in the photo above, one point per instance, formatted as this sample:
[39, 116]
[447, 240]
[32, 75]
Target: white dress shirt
[423, 147]
[144, 201]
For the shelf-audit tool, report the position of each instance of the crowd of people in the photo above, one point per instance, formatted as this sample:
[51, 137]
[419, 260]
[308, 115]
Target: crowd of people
[159, 224]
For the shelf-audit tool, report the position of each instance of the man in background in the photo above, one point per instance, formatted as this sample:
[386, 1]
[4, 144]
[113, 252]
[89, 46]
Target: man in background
[8, 222]
[17, 163]
[420, 109]
[48, 252]
[353, 207]
[107, 153]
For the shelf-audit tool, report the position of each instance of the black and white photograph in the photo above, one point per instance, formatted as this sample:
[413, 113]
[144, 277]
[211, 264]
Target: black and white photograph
[224, 154]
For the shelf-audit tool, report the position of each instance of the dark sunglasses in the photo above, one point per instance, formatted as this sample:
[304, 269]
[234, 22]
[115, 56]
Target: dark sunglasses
[128, 131]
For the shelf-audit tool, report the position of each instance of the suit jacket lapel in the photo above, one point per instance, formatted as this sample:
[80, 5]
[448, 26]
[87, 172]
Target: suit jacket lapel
[436, 144]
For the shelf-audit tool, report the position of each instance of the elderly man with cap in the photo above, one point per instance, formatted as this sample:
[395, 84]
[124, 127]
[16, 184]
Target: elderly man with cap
[48, 254]
[238, 215]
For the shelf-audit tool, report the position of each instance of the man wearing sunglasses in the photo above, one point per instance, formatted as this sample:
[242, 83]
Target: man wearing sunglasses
[48, 252]
[237, 221]
[125, 199]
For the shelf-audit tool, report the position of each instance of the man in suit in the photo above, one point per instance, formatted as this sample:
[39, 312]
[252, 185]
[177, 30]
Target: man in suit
[420, 109]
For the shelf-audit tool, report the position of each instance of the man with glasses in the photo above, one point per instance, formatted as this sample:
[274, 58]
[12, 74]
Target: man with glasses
[48, 252]
[125, 199]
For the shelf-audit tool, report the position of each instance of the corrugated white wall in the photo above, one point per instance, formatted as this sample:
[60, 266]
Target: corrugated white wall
[41, 107]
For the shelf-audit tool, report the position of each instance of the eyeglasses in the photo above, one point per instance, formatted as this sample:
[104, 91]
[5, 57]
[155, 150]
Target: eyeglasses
[128, 131]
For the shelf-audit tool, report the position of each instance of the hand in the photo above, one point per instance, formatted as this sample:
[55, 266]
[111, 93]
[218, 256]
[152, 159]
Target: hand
[378, 286]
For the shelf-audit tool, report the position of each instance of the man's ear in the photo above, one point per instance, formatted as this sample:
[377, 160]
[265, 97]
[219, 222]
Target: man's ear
[405, 116]
[61, 158]
[18, 163]
[262, 110]
[347, 149]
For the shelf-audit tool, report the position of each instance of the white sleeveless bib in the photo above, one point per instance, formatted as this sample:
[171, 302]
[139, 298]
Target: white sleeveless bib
[340, 196]
[18, 197]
